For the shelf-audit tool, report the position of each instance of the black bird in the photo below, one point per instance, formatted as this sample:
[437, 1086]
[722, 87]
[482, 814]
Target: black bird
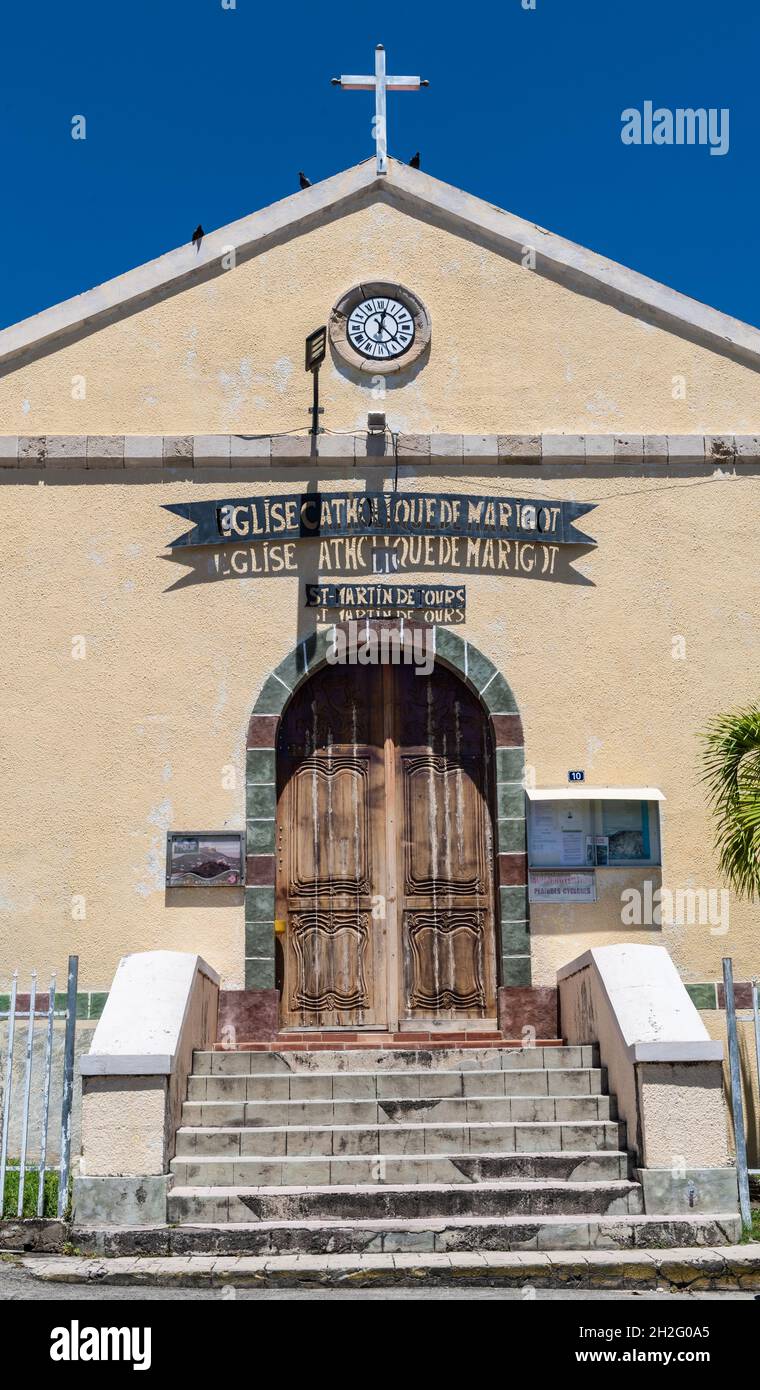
[414, 162]
[198, 236]
[302, 179]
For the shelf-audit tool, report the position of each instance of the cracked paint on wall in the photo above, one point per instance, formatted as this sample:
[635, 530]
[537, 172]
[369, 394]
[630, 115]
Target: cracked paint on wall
[153, 880]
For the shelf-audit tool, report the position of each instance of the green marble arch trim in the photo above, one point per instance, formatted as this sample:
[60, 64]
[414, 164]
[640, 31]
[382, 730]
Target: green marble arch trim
[259, 972]
[259, 903]
[476, 669]
[481, 676]
[516, 970]
[703, 996]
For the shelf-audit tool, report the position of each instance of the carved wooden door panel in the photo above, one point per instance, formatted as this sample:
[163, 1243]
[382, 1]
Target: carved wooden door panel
[445, 864]
[331, 851]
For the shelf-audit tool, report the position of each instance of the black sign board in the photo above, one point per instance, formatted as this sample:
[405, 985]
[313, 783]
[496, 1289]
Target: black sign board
[316, 349]
[314, 515]
[407, 596]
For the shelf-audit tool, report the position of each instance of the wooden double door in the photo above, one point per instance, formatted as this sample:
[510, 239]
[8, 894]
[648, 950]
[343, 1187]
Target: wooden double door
[385, 860]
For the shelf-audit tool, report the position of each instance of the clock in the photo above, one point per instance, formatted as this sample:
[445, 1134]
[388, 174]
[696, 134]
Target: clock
[380, 327]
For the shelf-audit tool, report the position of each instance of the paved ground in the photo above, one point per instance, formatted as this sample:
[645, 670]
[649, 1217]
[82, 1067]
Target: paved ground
[17, 1283]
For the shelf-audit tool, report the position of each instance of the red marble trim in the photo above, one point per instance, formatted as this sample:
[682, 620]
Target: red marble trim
[259, 868]
[526, 1006]
[41, 1002]
[262, 730]
[507, 730]
[247, 1014]
[513, 869]
[742, 994]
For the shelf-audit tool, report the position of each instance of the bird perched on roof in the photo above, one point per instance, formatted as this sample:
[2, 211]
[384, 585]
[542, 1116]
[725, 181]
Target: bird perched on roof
[198, 236]
[414, 162]
[302, 179]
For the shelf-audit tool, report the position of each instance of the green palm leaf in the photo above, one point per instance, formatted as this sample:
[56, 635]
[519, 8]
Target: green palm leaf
[731, 770]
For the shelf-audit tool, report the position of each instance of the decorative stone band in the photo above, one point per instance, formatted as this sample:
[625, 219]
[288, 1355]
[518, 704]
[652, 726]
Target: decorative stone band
[480, 674]
[90, 1003]
[707, 997]
[243, 451]
[712, 995]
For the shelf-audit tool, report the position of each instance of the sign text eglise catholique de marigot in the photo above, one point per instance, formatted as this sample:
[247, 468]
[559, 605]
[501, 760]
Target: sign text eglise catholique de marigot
[428, 530]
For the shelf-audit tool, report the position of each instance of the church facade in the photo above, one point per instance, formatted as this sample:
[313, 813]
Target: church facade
[392, 721]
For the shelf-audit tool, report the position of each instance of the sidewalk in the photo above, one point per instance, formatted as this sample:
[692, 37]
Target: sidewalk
[727, 1267]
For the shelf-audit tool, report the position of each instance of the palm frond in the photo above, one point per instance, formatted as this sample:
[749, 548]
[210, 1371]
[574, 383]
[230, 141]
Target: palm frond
[731, 770]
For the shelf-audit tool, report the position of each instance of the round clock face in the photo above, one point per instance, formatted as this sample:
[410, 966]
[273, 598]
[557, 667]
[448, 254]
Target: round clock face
[380, 328]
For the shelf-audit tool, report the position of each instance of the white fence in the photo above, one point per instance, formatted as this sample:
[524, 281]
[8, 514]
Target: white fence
[29, 1081]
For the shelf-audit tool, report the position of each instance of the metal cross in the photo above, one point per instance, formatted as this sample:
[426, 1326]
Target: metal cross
[380, 84]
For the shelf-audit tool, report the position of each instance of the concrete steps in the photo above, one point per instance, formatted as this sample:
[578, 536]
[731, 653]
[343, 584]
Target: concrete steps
[355, 1236]
[269, 1114]
[383, 1086]
[447, 1148]
[400, 1169]
[438, 1059]
[381, 1201]
[401, 1137]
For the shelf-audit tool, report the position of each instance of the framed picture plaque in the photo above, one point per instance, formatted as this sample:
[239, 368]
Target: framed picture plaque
[205, 858]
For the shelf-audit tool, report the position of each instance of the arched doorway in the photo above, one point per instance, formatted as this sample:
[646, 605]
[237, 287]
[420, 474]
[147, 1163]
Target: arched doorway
[385, 851]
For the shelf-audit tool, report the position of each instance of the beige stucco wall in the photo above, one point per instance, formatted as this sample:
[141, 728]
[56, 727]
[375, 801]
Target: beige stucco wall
[512, 351]
[683, 1115]
[123, 1122]
[102, 755]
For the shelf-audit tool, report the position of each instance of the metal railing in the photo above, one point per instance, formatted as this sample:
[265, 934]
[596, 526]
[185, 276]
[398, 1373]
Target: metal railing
[32, 1014]
[734, 1062]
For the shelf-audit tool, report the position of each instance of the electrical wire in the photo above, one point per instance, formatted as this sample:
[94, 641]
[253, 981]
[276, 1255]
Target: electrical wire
[536, 492]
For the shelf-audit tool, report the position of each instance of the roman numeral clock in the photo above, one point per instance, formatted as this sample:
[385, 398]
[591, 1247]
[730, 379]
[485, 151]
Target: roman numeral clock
[380, 327]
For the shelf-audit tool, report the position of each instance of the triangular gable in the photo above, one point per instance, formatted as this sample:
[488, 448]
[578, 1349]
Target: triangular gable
[418, 194]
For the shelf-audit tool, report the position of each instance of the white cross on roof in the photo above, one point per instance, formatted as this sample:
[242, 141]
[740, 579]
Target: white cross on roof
[380, 84]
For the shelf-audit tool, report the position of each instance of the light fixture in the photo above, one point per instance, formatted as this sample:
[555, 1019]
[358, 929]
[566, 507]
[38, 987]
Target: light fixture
[316, 351]
[376, 422]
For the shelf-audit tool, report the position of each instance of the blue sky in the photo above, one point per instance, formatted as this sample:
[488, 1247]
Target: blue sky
[200, 113]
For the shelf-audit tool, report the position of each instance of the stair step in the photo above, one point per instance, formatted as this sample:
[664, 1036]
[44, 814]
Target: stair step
[282, 1141]
[235, 1062]
[561, 1081]
[456, 1109]
[583, 1231]
[435, 1166]
[235, 1203]
[373, 1151]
